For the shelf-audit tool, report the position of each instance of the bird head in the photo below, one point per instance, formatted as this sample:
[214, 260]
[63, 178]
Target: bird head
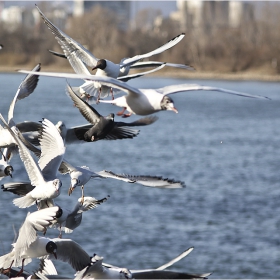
[51, 248]
[167, 104]
[101, 64]
[9, 170]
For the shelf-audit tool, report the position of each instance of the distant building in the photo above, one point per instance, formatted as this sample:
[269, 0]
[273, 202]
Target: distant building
[120, 8]
[212, 14]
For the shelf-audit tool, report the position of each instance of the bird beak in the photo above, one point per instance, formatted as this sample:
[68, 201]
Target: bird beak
[55, 255]
[175, 110]
[95, 67]
[11, 175]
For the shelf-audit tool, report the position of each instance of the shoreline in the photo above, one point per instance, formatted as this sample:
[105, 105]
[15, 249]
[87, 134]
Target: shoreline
[178, 73]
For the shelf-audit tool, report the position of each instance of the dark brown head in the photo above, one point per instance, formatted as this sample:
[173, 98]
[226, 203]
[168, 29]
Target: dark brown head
[101, 64]
[51, 248]
[9, 170]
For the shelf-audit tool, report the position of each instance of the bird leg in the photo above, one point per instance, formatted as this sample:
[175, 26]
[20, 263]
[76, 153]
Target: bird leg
[126, 115]
[7, 270]
[70, 190]
[21, 270]
[98, 96]
[121, 112]
[112, 93]
[82, 200]
[60, 232]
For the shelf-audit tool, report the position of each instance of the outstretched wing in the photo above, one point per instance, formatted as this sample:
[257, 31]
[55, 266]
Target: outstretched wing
[52, 150]
[87, 111]
[148, 181]
[168, 45]
[193, 87]
[69, 45]
[26, 87]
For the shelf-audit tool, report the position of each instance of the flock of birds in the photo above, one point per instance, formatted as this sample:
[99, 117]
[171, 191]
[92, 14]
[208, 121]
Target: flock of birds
[42, 149]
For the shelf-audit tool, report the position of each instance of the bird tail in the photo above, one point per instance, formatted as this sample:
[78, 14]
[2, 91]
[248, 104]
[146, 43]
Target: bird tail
[25, 201]
[6, 260]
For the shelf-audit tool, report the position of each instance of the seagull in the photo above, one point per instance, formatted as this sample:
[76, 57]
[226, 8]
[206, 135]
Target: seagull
[144, 101]
[97, 270]
[47, 186]
[28, 245]
[101, 126]
[75, 135]
[26, 87]
[75, 51]
[5, 168]
[67, 220]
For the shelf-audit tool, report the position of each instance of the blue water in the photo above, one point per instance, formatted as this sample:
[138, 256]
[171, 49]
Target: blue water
[225, 148]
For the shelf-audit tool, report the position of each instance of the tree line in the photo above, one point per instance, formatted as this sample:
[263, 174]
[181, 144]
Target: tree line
[252, 46]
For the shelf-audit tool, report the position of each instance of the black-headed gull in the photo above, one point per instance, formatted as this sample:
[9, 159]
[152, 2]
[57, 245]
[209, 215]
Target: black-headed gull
[67, 220]
[28, 245]
[47, 186]
[97, 270]
[75, 51]
[5, 168]
[144, 101]
[101, 125]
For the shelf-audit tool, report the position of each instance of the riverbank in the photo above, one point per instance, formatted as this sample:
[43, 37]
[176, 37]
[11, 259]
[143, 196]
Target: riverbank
[258, 75]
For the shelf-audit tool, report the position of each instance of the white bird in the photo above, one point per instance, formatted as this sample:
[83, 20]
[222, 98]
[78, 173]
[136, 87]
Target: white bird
[98, 270]
[76, 54]
[28, 245]
[144, 101]
[47, 186]
[5, 168]
[26, 87]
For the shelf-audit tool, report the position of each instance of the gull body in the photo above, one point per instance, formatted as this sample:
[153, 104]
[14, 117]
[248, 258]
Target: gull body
[47, 186]
[145, 101]
[28, 244]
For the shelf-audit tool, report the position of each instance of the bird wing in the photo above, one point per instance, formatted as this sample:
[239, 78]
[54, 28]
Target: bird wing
[193, 87]
[166, 46]
[178, 258]
[118, 133]
[69, 45]
[149, 63]
[19, 188]
[32, 168]
[145, 180]
[140, 122]
[36, 221]
[52, 150]
[107, 81]
[87, 111]
[137, 75]
[26, 87]
[71, 252]
[166, 274]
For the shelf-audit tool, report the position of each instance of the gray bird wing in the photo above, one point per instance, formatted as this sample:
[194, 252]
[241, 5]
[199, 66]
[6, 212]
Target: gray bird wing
[69, 45]
[26, 87]
[87, 111]
[166, 46]
[71, 252]
[145, 180]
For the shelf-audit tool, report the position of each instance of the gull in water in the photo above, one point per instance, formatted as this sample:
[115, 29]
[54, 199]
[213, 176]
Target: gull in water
[5, 168]
[28, 244]
[75, 52]
[47, 186]
[144, 101]
[26, 87]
